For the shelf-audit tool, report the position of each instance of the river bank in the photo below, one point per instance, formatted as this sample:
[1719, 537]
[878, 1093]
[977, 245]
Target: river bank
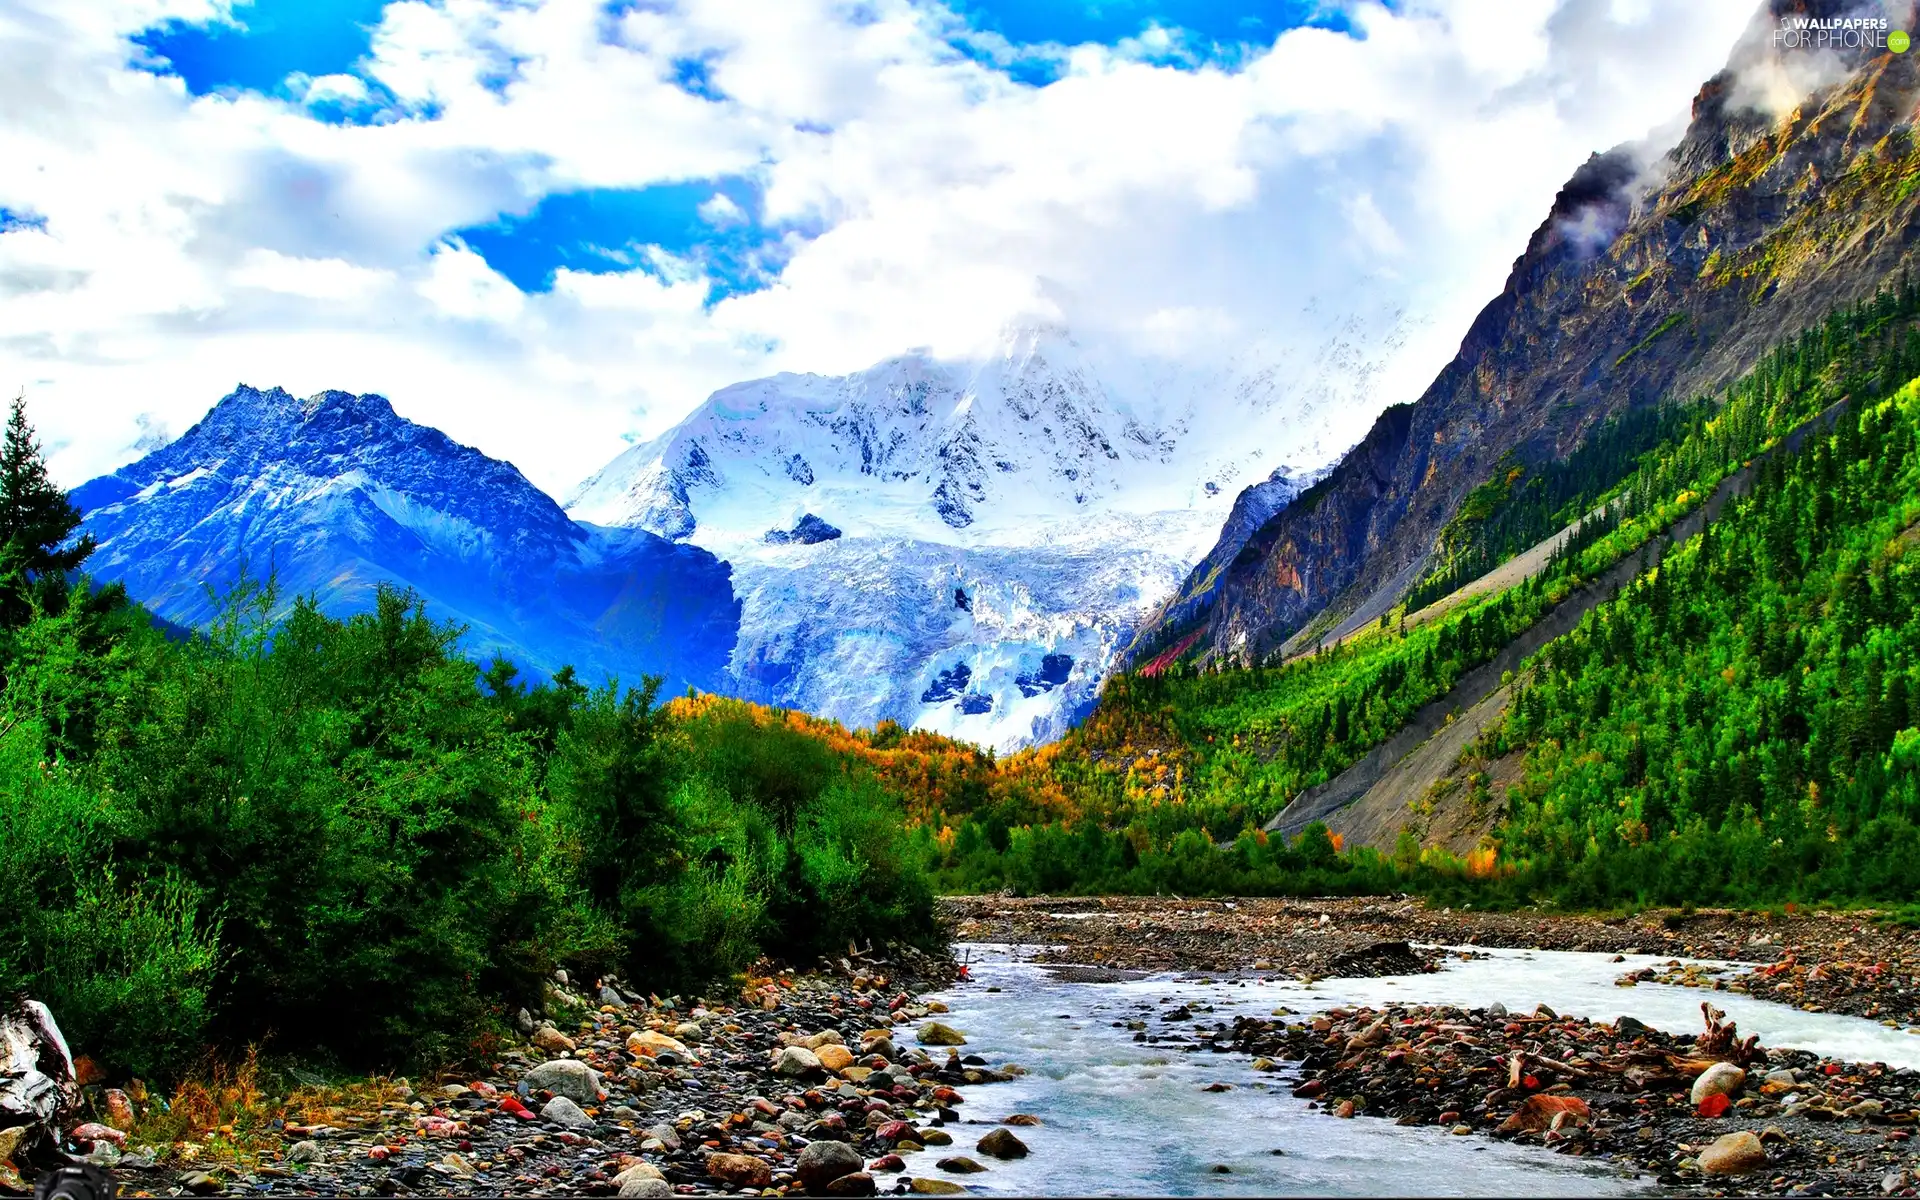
[1170, 1040]
[1792, 1121]
[804, 1082]
[1821, 962]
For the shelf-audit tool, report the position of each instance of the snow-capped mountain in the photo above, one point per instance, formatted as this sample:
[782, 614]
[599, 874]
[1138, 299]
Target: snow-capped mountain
[967, 545]
[337, 493]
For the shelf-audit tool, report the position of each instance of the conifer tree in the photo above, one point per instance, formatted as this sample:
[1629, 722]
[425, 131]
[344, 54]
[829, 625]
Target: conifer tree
[36, 520]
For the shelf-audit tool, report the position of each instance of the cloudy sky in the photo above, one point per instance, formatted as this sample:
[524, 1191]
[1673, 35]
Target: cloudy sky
[553, 226]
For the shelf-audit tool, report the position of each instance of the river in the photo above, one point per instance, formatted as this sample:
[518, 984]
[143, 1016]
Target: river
[1120, 1117]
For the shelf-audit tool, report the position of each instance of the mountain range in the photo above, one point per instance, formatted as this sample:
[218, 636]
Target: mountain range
[967, 545]
[335, 494]
[971, 545]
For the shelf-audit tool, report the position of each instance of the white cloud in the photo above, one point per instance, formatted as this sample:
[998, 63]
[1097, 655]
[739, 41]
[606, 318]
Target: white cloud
[316, 278]
[720, 209]
[195, 242]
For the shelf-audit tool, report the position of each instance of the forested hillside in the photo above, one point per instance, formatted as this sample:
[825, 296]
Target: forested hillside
[344, 838]
[1189, 757]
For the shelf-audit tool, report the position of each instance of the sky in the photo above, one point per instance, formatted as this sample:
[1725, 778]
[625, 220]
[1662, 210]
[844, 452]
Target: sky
[553, 227]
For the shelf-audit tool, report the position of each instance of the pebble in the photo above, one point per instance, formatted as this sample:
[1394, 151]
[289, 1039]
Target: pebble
[1733, 1154]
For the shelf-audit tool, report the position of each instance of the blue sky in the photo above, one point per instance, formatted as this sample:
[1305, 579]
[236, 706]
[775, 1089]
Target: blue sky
[549, 226]
[603, 230]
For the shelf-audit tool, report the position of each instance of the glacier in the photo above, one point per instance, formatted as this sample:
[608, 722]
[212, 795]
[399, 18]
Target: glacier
[967, 545]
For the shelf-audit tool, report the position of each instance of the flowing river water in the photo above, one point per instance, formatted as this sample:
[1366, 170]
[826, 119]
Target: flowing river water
[1120, 1117]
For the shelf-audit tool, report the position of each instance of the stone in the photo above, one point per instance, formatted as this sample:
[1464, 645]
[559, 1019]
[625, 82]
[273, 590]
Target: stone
[1496, 1011]
[888, 1162]
[1733, 1154]
[959, 1164]
[649, 1042]
[1021, 1119]
[834, 1057]
[1373, 1035]
[933, 1033]
[740, 1170]
[1865, 1110]
[1538, 1113]
[796, 1061]
[1001, 1144]
[829, 1037]
[1630, 1027]
[823, 1162]
[1720, 1079]
[937, 1187]
[551, 1040]
[935, 1137]
[642, 1186]
[567, 1077]
[304, 1152]
[856, 1183]
[564, 1112]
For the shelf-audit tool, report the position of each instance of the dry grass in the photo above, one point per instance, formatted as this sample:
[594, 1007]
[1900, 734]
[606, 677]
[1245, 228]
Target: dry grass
[223, 1113]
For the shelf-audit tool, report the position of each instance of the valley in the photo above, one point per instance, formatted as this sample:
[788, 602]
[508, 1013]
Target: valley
[1049, 754]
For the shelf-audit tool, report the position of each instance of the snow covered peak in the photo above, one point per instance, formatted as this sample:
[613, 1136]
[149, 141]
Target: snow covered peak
[277, 449]
[912, 446]
[337, 493]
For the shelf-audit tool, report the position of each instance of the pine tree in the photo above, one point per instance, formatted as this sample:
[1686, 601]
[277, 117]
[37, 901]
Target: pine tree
[36, 520]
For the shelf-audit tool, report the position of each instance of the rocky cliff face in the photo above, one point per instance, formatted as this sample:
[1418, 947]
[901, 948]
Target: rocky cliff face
[1796, 188]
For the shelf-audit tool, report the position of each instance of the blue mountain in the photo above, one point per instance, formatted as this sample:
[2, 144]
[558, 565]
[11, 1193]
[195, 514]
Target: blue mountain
[337, 493]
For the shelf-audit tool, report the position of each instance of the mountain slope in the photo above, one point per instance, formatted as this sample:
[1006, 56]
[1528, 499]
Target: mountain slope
[1629, 293]
[968, 545]
[337, 493]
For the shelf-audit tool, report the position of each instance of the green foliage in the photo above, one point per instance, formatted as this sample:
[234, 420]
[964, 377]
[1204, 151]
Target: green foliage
[1740, 724]
[337, 836]
[1618, 804]
[35, 522]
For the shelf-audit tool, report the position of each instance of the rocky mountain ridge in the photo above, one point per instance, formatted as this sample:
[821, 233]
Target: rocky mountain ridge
[1646, 282]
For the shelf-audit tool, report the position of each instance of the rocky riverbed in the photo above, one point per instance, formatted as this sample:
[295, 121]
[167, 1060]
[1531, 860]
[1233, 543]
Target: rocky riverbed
[1708, 1112]
[1820, 962]
[814, 1083]
[858, 1079]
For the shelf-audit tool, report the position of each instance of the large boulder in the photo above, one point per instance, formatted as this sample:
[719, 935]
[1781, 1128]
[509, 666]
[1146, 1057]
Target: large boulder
[649, 1042]
[740, 1170]
[567, 1077]
[1001, 1144]
[565, 1113]
[823, 1162]
[834, 1057]
[1720, 1079]
[795, 1062]
[1733, 1154]
[39, 1088]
